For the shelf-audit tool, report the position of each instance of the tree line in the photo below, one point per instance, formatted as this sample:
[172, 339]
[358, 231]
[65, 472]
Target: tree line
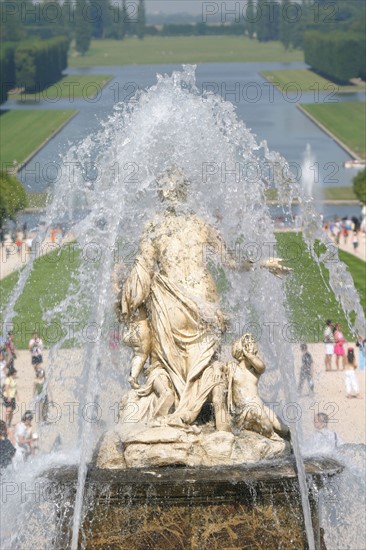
[339, 56]
[32, 64]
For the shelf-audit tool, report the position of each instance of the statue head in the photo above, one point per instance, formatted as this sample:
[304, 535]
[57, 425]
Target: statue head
[172, 186]
[244, 344]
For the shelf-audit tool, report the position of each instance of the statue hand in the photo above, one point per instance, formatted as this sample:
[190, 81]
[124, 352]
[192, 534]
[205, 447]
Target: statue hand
[274, 266]
[133, 383]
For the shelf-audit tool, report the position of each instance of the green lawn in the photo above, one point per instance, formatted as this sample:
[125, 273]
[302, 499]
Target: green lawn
[339, 193]
[329, 193]
[306, 80]
[347, 121]
[37, 200]
[181, 49]
[310, 302]
[70, 87]
[358, 269]
[45, 288]
[23, 131]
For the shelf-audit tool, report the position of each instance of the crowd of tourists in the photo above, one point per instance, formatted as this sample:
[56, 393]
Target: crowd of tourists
[345, 359]
[18, 442]
[23, 240]
[345, 230]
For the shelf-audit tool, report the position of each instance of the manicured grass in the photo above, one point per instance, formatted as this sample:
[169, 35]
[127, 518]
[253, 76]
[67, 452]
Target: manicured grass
[37, 200]
[182, 49]
[305, 80]
[329, 193]
[358, 269]
[70, 87]
[339, 193]
[46, 287]
[23, 131]
[310, 302]
[347, 121]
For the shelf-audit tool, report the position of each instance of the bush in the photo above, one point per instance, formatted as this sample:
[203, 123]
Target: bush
[40, 63]
[12, 196]
[359, 186]
[339, 56]
[7, 70]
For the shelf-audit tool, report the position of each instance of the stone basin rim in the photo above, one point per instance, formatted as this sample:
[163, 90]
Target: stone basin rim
[266, 471]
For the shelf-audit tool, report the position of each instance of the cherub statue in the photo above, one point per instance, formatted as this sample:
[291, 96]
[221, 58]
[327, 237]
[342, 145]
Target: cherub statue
[248, 410]
[138, 337]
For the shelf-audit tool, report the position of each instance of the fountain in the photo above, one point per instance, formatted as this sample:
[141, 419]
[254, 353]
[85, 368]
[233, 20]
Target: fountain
[174, 227]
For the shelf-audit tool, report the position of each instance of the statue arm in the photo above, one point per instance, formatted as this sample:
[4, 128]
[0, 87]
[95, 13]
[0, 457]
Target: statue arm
[217, 249]
[255, 362]
[136, 288]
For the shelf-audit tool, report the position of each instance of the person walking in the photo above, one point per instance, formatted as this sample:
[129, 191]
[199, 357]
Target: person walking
[339, 346]
[7, 450]
[361, 344]
[40, 394]
[324, 439]
[35, 347]
[306, 372]
[329, 344]
[10, 395]
[350, 380]
[10, 350]
[23, 437]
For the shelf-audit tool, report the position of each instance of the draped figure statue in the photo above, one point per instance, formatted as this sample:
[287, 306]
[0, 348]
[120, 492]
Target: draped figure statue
[171, 303]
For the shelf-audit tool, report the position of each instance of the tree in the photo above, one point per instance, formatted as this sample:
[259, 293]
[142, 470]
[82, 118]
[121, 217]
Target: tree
[102, 18]
[11, 21]
[125, 23]
[83, 26]
[251, 20]
[141, 20]
[339, 56]
[359, 186]
[285, 24]
[268, 20]
[12, 197]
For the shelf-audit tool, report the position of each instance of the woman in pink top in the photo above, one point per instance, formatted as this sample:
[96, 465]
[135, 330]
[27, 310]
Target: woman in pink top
[339, 350]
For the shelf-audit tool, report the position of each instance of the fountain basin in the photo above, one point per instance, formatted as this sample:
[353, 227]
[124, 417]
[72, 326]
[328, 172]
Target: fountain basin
[179, 507]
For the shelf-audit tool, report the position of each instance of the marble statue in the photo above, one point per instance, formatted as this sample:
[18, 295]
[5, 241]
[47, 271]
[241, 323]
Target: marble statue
[248, 410]
[170, 304]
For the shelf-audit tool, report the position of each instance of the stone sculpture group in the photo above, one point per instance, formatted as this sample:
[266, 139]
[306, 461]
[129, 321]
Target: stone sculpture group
[186, 406]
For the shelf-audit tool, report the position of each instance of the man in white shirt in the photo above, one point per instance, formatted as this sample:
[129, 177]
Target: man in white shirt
[35, 347]
[324, 439]
[23, 437]
[329, 344]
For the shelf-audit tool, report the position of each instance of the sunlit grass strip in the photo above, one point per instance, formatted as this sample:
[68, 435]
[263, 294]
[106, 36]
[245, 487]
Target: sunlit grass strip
[305, 80]
[22, 132]
[69, 88]
[310, 302]
[346, 121]
[181, 49]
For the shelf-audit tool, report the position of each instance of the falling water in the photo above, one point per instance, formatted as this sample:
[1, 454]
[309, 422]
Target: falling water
[172, 124]
[308, 174]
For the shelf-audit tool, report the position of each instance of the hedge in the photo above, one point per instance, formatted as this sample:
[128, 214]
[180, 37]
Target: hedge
[40, 63]
[7, 69]
[12, 196]
[339, 56]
